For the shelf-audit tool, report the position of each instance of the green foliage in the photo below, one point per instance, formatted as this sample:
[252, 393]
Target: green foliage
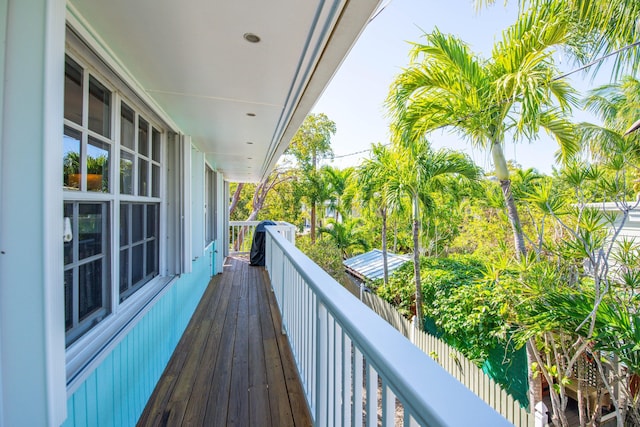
[466, 310]
[326, 254]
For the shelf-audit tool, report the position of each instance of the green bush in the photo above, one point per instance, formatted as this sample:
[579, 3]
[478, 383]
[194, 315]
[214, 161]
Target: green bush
[326, 254]
[468, 314]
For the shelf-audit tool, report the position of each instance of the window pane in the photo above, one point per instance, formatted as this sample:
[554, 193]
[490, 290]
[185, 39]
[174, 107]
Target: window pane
[90, 232]
[137, 223]
[72, 91]
[124, 271]
[68, 299]
[126, 172]
[71, 159]
[90, 288]
[143, 137]
[68, 246]
[152, 262]
[143, 177]
[155, 180]
[99, 108]
[124, 224]
[155, 149]
[127, 128]
[152, 224]
[137, 263]
[98, 165]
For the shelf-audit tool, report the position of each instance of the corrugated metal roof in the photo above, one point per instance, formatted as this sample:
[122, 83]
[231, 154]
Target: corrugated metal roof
[369, 265]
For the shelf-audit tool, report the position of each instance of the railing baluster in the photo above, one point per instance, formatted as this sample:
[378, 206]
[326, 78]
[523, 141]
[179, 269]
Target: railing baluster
[388, 406]
[372, 396]
[347, 383]
[321, 368]
[357, 404]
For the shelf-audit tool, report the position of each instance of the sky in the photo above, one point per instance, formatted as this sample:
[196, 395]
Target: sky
[355, 96]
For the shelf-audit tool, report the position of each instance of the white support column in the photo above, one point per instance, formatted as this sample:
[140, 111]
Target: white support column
[32, 332]
[185, 183]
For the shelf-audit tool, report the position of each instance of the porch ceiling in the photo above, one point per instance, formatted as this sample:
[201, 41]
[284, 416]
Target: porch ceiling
[191, 58]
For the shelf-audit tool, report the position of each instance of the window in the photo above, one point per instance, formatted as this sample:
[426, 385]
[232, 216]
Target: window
[114, 213]
[138, 246]
[209, 206]
[86, 267]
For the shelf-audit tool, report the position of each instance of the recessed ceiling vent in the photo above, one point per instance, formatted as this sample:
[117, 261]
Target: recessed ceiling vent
[251, 38]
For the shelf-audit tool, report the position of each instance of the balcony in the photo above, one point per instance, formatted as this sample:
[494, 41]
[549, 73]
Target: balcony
[340, 363]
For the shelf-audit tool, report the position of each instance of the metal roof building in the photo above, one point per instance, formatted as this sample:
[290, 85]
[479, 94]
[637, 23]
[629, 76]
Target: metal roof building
[368, 266]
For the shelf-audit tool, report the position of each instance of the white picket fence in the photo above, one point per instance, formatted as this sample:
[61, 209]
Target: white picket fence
[453, 362]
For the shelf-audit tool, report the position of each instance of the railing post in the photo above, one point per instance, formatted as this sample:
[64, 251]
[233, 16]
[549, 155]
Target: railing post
[321, 366]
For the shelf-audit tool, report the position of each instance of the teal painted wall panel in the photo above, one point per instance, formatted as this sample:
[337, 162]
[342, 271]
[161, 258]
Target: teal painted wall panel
[117, 391]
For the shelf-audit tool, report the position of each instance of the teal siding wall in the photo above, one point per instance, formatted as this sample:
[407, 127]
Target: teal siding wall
[116, 393]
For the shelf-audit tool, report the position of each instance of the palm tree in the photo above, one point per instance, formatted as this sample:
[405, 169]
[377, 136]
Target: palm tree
[419, 173]
[446, 85]
[337, 181]
[598, 28]
[346, 235]
[373, 175]
[617, 104]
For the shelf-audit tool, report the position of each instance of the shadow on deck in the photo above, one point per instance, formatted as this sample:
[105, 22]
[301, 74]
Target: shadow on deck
[232, 366]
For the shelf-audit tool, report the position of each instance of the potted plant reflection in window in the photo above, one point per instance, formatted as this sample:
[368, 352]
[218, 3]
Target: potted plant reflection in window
[97, 172]
[71, 168]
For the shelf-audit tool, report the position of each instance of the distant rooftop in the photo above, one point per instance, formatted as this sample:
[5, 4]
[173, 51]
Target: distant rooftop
[368, 266]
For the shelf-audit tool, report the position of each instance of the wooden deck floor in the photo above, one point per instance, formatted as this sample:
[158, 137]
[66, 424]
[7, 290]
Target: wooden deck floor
[232, 366]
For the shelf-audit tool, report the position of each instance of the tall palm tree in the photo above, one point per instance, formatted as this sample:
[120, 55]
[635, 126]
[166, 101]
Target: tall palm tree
[419, 173]
[373, 175]
[513, 92]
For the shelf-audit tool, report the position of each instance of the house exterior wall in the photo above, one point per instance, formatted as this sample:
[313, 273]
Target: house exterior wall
[32, 333]
[116, 393]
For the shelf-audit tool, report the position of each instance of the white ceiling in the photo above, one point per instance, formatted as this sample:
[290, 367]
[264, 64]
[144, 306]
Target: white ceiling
[191, 58]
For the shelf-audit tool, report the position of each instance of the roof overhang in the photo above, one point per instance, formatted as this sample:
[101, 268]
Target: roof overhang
[240, 102]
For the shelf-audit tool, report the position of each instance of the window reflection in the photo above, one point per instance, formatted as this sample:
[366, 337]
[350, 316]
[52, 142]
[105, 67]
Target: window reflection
[143, 137]
[72, 91]
[127, 127]
[143, 177]
[98, 166]
[71, 159]
[155, 150]
[126, 172]
[99, 108]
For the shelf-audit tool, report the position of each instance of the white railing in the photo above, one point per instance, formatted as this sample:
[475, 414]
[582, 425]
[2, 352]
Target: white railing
[354, 367]
[241, 234]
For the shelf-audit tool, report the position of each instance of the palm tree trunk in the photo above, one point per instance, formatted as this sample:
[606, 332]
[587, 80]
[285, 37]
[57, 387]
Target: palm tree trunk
[502, 173]
[416, 262]
[385, 265]
[514, 218]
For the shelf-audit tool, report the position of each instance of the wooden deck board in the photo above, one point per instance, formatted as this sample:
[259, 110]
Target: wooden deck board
[232, 365]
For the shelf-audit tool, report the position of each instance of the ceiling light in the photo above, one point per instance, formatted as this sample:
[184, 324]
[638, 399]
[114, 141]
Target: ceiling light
[251, 114]
[249, 158]
[249, 142]
[251, 38]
